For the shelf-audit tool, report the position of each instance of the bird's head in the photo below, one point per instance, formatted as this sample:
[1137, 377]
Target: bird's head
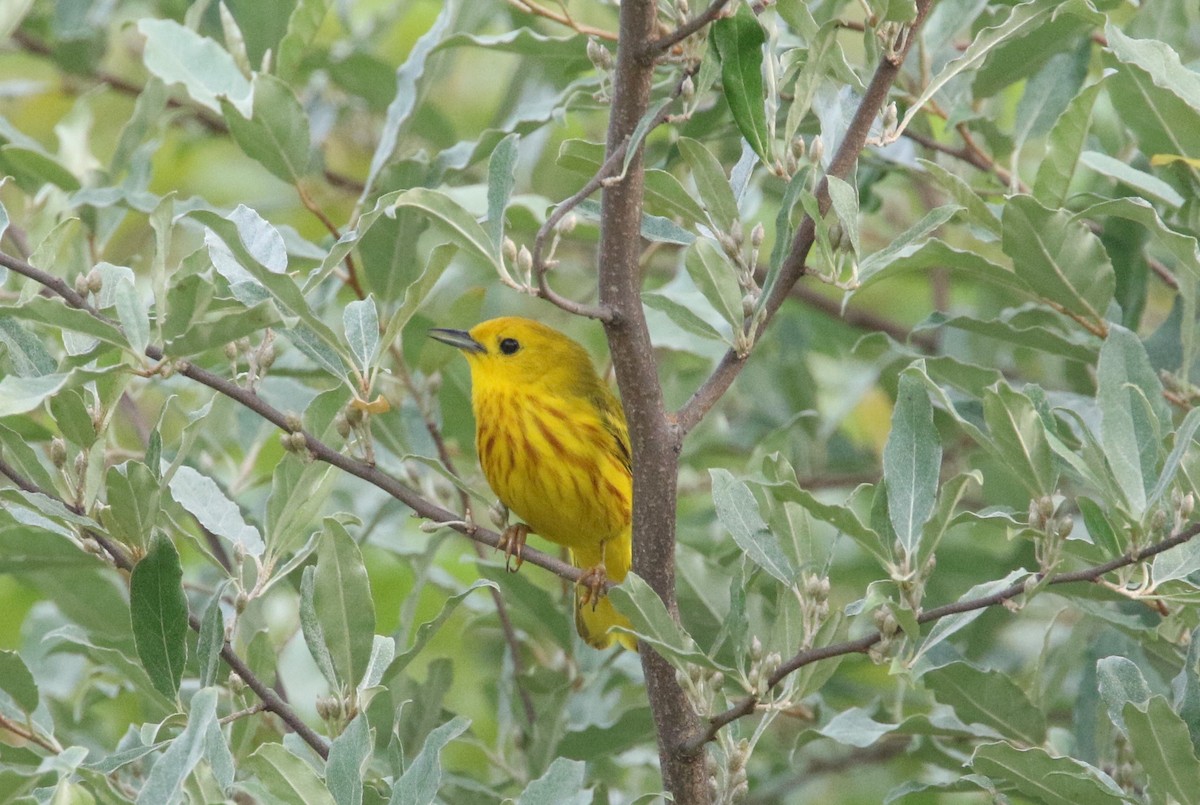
[522, 352]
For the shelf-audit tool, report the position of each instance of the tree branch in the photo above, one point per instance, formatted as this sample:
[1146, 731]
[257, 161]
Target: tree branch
[692, 26]
[808, 656]
[319, 450]
[119, 558]
[654, 442]
[794, 264]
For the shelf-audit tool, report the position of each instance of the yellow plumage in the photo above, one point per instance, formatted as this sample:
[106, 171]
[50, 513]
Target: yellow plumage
[553, 444]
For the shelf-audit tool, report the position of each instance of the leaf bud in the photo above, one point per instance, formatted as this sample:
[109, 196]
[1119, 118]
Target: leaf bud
[81, 284]
[80, 464]
[95, 281]
[756, 648]
[1187, 505]
[510, 250]
[1159, 520]
[598, 54]
[525, 260]
[235, 682]
[1046, 506]
[757, 235]
[688, 88]
[798, 148]
[266, 357]
[342, 426]
[240, 602]
[568, 223]
[354, 415]
[818, 149]
[749, 301]
[231, 351]
[681, 6]
[58, 452]
[292, 422]
[1065, 526]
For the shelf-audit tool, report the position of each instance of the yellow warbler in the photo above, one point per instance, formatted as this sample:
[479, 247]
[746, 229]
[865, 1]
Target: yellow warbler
[553, 444]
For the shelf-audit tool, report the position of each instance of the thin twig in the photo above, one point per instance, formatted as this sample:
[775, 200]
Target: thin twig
[271, 700]
[692, 26]
[795, 263]
[562, 18]
[332, 228]
[29, 735]
[863, 319]
[807, 657]
[319, 450]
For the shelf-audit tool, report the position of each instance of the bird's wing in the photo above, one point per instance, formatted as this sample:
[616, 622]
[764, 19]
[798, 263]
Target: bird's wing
[612, 417]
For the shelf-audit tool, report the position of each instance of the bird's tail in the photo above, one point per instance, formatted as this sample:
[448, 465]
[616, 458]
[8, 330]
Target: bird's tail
[593, 623]
[594, 619]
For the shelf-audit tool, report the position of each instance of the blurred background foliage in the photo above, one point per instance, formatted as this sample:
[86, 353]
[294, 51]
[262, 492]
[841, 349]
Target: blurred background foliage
[998, 328]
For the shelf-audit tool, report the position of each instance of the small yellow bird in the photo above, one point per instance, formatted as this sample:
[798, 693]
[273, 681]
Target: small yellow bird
[553, 443]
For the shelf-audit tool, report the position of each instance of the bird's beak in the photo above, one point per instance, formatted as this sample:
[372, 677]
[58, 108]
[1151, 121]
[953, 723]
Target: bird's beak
[459, 339]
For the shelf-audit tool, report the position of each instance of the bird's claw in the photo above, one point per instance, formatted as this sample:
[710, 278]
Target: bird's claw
[593, 582]
[512, 542]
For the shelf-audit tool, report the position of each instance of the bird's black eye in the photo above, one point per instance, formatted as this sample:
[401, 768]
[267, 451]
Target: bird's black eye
[509, 345]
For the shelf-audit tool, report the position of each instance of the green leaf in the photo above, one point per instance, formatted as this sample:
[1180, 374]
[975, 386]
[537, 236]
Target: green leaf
[1187, 689]
[988, 697]
[502, 178]
[428, 629]
[1163, 747]
[714, 275]
[133, 502]
[1100, 528]
[562, 784]
[302, 27]
[16, 681]
[349, 754]
[907, 244]
[342, 597]
[1059, 257]
[1121, 683]
[1158, 96]
[275, 134]
[417, 291]
[636, 600]
[1132, 414]
[183, 753]
[211, 640]
[405, 100]
[712, 184]
[1063, 147]
[1046, 779]
[912, 460]
[683, 317]
[1151, 187]
[739, 40]
[26, 351]
[361, 322]
[1020, 327]
[134, 316]
[310, 626]
[421, 780]
[179, 55]
[1019, 436]
[72, 417]
[453, 219]
[159, 613]
[201, 496]
[286, 777]
[738, 511]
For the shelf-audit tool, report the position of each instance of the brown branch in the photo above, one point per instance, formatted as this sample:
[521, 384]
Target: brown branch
[119, 558]
[692, 26]
[332, 228]
[654, 443]
[1091, 574]
[794, 264]
[562, 18]
[610, 168]
[319, 450]
[28, 734]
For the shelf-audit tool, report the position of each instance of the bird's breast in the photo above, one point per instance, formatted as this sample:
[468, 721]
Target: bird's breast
[554, 465]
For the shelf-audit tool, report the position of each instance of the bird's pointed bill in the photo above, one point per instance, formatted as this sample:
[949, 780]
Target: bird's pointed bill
[459, 339]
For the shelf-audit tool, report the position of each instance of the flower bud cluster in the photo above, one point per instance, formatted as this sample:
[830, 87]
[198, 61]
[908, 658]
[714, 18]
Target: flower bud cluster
[1052, 531]
[727, 782]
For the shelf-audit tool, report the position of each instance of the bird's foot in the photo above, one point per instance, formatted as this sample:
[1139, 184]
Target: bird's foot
[512, 542]
[593, 582]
